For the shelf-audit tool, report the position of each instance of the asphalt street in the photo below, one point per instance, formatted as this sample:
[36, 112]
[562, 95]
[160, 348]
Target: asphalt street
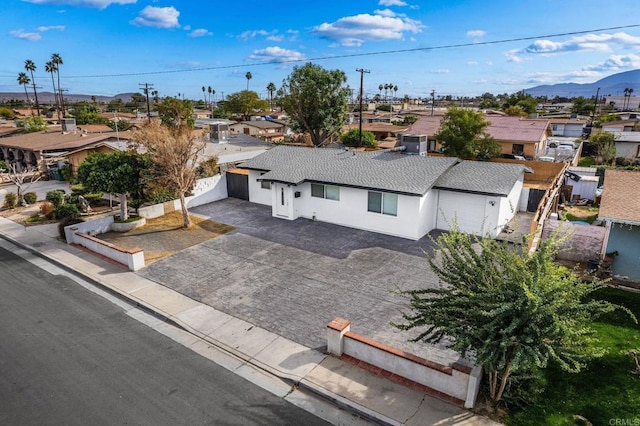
[68, 356]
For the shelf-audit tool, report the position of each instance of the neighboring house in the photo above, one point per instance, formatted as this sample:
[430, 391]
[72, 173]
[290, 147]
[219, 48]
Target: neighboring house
[381, 131]
[386, 192]
[620, 209]
[41, 148]
[515, 135]
[623, 103]
[267, 130]
[628, 125]
[567, 127]
[76, 157]
[627, 145]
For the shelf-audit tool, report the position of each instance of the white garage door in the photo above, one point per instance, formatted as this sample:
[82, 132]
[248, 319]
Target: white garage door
[467, 209]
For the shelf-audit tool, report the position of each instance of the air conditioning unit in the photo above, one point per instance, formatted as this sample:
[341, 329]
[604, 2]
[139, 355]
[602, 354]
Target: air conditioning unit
[414, 144]
[68, 124]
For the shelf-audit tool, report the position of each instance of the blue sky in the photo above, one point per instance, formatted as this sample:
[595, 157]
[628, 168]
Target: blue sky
[108, 45]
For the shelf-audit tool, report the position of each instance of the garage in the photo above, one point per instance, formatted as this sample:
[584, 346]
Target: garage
[467, 209]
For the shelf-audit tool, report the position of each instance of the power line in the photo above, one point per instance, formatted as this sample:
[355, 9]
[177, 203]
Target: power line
[355, 55]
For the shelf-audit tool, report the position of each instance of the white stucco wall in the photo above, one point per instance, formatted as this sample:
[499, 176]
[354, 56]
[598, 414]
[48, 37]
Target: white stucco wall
[428, 212]
[351, 210]
[256, 193]
[509, 206]
[627, 149]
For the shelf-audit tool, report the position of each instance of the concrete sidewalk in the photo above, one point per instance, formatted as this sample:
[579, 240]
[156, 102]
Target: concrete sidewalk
[370, 396]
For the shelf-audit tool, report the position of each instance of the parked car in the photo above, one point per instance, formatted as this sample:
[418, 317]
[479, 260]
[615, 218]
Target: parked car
[513, 156]
[547, 159]
[567, 144]
[564, 150]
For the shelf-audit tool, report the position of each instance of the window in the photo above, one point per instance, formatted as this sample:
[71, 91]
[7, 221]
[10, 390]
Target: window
[382, 202]
[517, 149]
[263, 184]
[325, 191]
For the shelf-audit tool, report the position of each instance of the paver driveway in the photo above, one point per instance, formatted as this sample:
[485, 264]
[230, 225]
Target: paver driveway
[293, 277]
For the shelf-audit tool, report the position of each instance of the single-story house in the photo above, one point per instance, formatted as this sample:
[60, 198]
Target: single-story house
[387, 192]
[264, 129]
[627, 145]
[620, 209]
[517, 136]
[628, 125]
[76, 157]
[567, 127]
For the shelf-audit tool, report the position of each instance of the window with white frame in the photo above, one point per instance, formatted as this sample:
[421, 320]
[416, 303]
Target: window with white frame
[383, 202]
[329, 192]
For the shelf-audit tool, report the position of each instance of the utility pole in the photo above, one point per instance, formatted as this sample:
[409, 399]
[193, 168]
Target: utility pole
[362, 72]
[145, 89]
[595, 106]
[433, 99]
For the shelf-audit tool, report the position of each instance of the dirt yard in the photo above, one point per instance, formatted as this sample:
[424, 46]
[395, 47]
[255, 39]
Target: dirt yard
[165, 235]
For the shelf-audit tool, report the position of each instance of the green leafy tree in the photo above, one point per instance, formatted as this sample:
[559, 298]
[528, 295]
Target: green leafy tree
[116, 105]
[32, 124]
[22, 178]
[176, 112]
[605, 145]
[488, 101]
[245, 103]
[515, 111]
[352, 138]
[116, 173]
[120, 125]
[526, 102]
[582, 106]
[316, 101]
[87, 113]
[463, 134]
[511, 312]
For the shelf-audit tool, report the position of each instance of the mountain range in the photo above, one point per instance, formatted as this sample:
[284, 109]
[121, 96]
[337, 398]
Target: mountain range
[612, 85]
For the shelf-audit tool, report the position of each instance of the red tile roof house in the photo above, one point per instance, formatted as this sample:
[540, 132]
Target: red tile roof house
[386, 192]
[620, 209]
[515, 135]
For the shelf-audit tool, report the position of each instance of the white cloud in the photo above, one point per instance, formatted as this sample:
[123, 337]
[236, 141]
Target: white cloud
[440, 71]
[247, 35]
[23, 35]
[472, 62]
[476, 33]
[51, 28]
[582, 43]
[200, 32]
[276, 38]
[35, 35]
[616, 62]
[385, 12]
[357, 29]
[392, 3]
[276, 54]
[100, 4]
[158, 17]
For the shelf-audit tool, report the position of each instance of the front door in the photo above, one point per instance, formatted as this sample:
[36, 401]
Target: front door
[282, 200]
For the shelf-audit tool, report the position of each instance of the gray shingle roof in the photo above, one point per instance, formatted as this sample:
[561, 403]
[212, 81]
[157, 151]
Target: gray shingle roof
[481, 177]
[384, 171]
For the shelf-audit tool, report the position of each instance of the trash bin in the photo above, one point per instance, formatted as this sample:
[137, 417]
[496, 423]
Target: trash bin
[59, 175]
[593, 265]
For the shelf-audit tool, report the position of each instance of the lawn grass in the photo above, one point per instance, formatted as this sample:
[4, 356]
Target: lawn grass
[607, 389]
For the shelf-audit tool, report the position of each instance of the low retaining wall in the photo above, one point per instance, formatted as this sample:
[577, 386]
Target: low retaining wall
[206, 191]
[84, 234]
[456, 383]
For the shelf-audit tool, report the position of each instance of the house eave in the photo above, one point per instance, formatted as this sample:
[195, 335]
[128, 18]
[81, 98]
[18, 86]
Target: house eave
[619, 221]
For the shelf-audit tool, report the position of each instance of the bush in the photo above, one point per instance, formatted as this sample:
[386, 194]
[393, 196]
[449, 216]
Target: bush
[93, 197]
[352, 138]
[66, 222]
[47, 209]
[56, 197]
[67, 172]
[30, 197]
[385, 107]
[67, 210]
[78, 188]
[10, 200]
[208, 167]
[587, 162]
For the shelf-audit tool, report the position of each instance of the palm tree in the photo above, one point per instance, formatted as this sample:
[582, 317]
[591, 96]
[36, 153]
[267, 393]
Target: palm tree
[271, 88]
[248, 76]
[30, 66]
[23, 79]
[629, 98]
[204, 96]
[386, 87]
[50, 67]
[395, 91]
[380, 87]
[209, 90]
[57, 60]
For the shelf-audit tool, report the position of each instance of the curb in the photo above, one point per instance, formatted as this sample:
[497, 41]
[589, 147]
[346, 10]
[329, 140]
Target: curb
[337, 400]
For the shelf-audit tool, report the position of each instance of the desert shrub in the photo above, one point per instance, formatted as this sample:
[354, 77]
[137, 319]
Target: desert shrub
[47, 209]
[78, 188]
[67, 210]
[66, 222]
[159, 195]
[30, 197]
[208, 167]
[56, 197]
[10, 200]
